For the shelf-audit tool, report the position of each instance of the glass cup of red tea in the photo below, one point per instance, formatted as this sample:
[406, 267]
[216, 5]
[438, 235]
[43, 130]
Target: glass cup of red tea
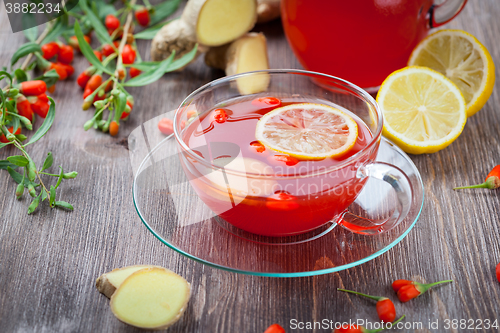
[362, 41]
[246, 185]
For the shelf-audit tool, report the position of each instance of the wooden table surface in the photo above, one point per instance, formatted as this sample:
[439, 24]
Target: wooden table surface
[49, 260]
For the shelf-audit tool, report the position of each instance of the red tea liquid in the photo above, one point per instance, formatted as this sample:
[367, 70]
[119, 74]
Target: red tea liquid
[270, 200]
[361, 41]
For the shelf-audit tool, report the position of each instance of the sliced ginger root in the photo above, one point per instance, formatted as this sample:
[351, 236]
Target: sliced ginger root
[206, 22]
[109, 282]
[151, 298]
[268, 10]
[247, 53]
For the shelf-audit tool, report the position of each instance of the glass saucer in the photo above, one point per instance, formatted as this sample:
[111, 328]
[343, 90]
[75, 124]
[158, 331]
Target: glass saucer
[171, 210]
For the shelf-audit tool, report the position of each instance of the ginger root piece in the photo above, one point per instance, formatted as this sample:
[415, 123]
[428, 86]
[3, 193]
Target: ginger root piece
[151, 298]
[206, 22]
[268, 10]
[109, 282]
[247, 53]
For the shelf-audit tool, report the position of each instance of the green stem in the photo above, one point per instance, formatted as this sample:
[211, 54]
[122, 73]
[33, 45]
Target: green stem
[376, 298]
[489, 184]
[424, 287]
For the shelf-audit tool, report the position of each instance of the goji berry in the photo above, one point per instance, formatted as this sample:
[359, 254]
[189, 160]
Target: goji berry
[40, 104]
[414, 289]
[282, 201]
[52, 88]
[94, 82]
[266, 102]
[142, 16]
[109, 86]
[124, 115]
[498, 272]
[85, 76]
[220, 116]
[259, 147]
[289, 160]
[121, 73]
[114, 127]
[33, 88]
[166, 126]
[61, 71]
[134, 72]
[73, 41]
[24, 107]
[385, 308]
[66, 54]
[396, 285]
[3, 139]
[492, 180]
[50, 50]
[87, 92]
[112, 22]
[275, 328]
[98, 55]
[128, 55]
[68, 68]
[108, 50]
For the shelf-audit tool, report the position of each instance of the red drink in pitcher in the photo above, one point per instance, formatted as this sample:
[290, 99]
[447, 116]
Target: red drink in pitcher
[361, 41]
[262, 190]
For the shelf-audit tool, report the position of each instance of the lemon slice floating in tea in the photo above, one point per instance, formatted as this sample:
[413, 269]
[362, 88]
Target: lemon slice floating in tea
[423, 110]
[463, 59]
[307, 131]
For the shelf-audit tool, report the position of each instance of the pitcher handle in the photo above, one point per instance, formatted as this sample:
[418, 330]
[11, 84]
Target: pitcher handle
[445, 12]
[403, 190]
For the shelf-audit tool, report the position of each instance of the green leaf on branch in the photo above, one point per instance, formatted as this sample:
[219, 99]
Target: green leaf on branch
[183, 61]
[100, 30]
[4, 144]
[47, 123]
[4, 164]
[34, 205]
[48, 161]
[21, 75]
[87, 50]
[18, 160]
[64, 204]
[44, 195]
[21, 137]
[52, 198]
[61, 176]
[31, 33]
[163, 10]
[152, 75]
[18, 178]
[24, 51]
[10, 79]
[50, 78]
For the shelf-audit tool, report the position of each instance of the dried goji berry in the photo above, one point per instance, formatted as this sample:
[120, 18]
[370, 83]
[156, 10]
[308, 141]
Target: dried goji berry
[33, 88]
[142, 16]
[282, 201]
[66, 54]
[275, 328]
[50, 50]
[166, 126]
[220, 116]
[289, 160]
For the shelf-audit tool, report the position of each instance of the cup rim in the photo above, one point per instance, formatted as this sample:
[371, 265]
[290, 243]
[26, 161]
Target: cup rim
[358, 90]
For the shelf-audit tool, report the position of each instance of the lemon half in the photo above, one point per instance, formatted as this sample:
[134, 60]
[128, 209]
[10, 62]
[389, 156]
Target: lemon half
[463, 59]
[423, 110]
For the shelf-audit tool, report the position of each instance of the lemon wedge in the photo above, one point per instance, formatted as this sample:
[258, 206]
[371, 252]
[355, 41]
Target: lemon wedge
[423, 110]
[307, 131]
[463, 59]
